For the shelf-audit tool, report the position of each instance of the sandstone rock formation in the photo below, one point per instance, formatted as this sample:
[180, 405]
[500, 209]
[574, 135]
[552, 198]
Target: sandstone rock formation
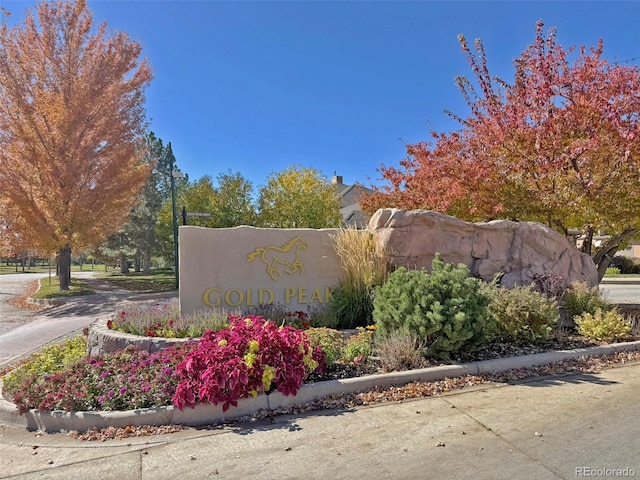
[522, 251]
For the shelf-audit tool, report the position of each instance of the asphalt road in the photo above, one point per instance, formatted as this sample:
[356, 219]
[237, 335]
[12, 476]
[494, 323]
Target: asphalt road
[12, 286]
[621, 293]
[22, 332]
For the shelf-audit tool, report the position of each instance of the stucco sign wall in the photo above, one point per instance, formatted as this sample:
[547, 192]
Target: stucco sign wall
[243, 267]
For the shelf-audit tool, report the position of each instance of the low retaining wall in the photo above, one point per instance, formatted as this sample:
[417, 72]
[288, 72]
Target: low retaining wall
[103, 340]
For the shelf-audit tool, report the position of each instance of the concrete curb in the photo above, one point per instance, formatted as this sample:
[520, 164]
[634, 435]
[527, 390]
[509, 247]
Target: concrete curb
[45, 301]
[620, 281]
[205, 414]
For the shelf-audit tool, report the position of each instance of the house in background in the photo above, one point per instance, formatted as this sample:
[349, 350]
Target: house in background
[632, 250]
[350, 210]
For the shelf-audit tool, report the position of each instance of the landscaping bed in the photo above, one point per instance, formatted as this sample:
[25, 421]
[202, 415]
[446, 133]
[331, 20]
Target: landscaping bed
[419, 326]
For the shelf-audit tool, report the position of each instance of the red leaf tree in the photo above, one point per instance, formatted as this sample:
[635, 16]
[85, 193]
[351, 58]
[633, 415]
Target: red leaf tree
[559, 145]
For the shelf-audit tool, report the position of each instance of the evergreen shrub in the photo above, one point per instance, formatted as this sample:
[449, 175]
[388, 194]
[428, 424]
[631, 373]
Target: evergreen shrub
[446, 309]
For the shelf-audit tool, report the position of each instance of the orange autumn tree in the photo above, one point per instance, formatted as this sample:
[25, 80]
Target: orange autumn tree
[71, 117]
[560, 145]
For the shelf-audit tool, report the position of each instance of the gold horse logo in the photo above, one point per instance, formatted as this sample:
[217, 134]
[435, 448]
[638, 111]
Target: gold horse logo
[286, 256]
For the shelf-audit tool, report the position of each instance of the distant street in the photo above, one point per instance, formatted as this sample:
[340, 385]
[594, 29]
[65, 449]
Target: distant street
[12, 286]
[22, 332]
[621, 293]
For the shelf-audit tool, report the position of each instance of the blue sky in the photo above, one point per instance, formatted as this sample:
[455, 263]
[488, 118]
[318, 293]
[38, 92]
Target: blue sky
[341, 86]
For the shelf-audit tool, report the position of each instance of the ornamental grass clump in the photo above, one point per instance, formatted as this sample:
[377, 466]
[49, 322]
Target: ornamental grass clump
[252, 355]
[365, 267]
[165, 320]
[400, 351]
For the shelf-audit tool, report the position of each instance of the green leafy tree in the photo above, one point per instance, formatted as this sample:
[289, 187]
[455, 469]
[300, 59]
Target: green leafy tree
[233, 204]
[137, 239]
[299, 197]
[229, 202]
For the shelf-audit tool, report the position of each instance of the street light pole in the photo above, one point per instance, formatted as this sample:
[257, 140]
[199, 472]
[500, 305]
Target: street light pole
[175, 174]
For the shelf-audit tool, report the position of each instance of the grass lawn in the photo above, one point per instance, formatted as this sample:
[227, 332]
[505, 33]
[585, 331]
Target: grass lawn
[11, 269]
[7, 269]
[52, 290]
[158, 281]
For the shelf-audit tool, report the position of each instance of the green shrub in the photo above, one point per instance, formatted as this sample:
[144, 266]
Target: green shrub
[358, 348]
[365, 267]
[329, 340]
[626, 265]
[50, 360]
[446, 309]
[522, 314]
[604, 326]
[579, 298]
[612, 271]
[399, 351]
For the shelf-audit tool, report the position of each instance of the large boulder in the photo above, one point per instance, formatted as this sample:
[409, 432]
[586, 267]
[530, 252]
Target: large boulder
[521, 251]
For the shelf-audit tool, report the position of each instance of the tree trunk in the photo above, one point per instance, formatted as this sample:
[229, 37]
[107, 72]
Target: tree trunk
[587, 243]
[147, 261]
[136, 263]
[64, 267]
[605, 254]
[124, 264]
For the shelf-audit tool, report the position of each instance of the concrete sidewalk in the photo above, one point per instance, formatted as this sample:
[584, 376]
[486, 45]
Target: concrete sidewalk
[564, 427]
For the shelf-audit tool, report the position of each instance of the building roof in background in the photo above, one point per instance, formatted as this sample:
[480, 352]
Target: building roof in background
[350, 209]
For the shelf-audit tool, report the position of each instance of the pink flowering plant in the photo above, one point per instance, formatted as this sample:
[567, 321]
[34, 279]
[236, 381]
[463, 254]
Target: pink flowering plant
[124, 380]
[252, 355]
